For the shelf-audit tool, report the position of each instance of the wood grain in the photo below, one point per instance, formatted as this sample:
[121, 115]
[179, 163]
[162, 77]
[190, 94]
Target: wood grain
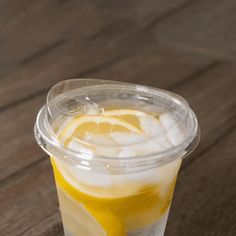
[154, 65]
[18, 147]
[43, 43]
[204, 202]
[36, 24]
[140, 60]
[212, 97]
[27, 200]
[53, 227]
[205, 103]
[205, 27]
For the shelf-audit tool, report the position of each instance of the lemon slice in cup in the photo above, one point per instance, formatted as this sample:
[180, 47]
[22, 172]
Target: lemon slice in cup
[126, 121]
[99, 124]
[77, 127]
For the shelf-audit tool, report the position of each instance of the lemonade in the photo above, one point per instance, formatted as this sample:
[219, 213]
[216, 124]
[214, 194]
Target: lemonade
[115, 155]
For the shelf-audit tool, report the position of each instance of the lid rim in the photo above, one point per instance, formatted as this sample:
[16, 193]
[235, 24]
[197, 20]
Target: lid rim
[50, 144]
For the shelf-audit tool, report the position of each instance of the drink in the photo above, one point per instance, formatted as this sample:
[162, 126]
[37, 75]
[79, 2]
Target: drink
[116, 150]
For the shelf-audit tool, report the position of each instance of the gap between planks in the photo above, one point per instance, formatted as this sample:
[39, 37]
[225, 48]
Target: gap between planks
[102, 66]
[168, 14]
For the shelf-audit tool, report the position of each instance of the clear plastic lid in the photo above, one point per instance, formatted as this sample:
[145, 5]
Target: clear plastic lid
[71, 98]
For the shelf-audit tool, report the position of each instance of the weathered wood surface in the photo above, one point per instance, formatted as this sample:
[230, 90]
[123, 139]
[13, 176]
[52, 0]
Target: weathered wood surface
[64, 39]
[168, 44]
[37, 76]
[205, 27]
[208, 206]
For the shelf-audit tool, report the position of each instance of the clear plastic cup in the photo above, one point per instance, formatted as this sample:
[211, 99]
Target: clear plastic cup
[105, 194]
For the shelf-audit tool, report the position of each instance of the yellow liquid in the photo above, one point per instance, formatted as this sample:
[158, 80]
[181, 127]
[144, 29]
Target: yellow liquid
[111, 215]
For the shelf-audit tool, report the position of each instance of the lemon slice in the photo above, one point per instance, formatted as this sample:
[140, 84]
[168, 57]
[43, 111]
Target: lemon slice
[95, 208]
[122, 112]
[128, 115]
[76, 218]
[117, 215]
[81, 128]
[95, 124]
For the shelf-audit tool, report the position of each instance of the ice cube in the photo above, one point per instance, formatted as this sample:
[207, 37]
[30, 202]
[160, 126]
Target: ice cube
[163, 141]
[68, 132]
[76, 145]
[93, 108]
[143, 147]
[98, 138]
[102, 180]
[63, 125]
[125, 138]
[167, 173]
[76, 175]
[143, 177]
[152, 127]
[106, 151]
[173, 132]
[167, 121]
[175, 135]
[147, 148]
[127, 152]
[103, 145]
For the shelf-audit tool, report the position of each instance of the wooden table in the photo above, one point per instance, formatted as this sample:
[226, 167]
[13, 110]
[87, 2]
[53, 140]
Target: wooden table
[185, 46]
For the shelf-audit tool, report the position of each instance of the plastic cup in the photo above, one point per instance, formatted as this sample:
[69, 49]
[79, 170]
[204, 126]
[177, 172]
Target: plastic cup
[109, 195]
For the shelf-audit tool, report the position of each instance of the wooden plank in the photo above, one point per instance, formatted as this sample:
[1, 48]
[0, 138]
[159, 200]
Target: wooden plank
[45, 22]
[14, 17]
[204, 202]
[212, 97]
[29, 27]
[65, 48]
[155, 65]
[27, 200]
[205, 27]
[211, 90]
[137, 60]
[53, 227]
[17, 132]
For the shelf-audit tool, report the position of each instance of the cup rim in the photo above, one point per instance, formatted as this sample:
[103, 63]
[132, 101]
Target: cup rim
[54, 147]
